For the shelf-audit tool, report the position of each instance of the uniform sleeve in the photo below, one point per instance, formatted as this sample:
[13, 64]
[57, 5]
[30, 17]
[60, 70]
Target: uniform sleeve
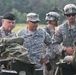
[21, 33]
[58, 38]
[54, 47]
[48, 39]
[48, 42]
[57, 41]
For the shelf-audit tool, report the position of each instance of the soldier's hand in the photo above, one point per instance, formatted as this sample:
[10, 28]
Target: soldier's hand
[69, 50]
[43, 60]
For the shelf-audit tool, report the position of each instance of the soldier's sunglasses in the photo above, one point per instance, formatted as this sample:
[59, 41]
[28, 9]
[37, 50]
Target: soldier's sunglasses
[35, 21]
[68, 15]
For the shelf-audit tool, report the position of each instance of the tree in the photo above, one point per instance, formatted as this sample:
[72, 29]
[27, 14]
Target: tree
[20, 18]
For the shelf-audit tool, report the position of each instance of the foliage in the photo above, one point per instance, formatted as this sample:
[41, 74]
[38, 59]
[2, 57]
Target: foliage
[20, 18]
[22, 7]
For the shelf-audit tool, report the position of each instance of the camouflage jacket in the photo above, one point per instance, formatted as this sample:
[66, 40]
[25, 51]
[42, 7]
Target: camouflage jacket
[49, 30]
[65, 35]
[5, 34]
[35, 43]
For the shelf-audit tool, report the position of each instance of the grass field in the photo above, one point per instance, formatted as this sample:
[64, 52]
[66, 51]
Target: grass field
[21, 26]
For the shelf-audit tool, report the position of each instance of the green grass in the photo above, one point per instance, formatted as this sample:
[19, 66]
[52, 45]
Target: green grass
[21, 26]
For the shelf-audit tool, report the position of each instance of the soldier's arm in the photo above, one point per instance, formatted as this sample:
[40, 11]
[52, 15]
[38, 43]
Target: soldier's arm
[58, 40]
[54, 48]
[48, 42]
[58, 37]
[21, 33]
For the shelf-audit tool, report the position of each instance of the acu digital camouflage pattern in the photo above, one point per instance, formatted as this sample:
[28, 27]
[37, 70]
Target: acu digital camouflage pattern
[13, 49]
[66, 35]
[57, 57]
[33, 17]
[50, 31]
[5, 34]
[35, 43]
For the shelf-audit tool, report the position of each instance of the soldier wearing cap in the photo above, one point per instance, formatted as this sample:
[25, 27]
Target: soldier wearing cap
[34, 40]
[8, 24]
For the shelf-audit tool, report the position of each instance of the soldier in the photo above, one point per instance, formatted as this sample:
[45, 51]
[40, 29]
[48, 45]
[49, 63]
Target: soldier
[8, 23]
[66, 34]
[52, 19]
[34, 40]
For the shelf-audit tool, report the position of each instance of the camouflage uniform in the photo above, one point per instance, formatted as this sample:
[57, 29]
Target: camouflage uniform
[5, 34]
[35, 44]
[65, 33]
[65, 36]
[50, 31]
[56, 58]
[52, 17]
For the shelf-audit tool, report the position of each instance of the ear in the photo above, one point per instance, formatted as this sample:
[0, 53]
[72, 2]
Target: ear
[2, 20]
[27, 22]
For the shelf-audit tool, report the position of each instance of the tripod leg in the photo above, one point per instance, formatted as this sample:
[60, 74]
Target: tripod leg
[58, 72]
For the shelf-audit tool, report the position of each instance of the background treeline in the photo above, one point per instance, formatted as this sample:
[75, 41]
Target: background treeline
[21, 7]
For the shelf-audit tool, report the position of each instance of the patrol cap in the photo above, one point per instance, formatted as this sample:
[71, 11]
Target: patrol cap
[33, 17]
[52, 16]
[9, 16]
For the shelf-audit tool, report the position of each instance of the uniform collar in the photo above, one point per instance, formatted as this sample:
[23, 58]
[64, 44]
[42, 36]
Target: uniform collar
[34, 33]
[6, 32]
[71, 26]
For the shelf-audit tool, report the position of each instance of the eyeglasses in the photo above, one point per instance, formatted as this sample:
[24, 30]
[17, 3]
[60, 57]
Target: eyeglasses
[68, 15]
[35, 21]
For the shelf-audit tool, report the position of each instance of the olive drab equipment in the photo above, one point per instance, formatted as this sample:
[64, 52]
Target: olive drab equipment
[14, 57]
[13, 49]
[69, 9]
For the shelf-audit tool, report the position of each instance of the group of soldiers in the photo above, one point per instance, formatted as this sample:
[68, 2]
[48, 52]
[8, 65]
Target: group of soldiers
[45, 46]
